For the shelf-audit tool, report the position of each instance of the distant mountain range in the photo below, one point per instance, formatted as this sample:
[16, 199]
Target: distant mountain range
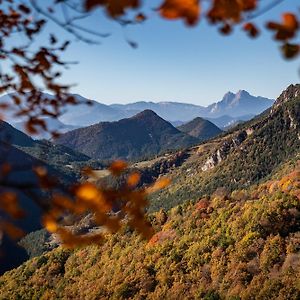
[143, 135]
[236, 107]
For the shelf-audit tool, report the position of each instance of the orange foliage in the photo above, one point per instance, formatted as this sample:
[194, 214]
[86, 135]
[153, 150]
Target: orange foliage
[11, 230]
[251, 29]
[188, 10]
[287, 29]
[133, 179]
[202, 204]
[9, 204]
[117, 167]
[160, 237]
[288, 184]
[158, 185]
[230, 10]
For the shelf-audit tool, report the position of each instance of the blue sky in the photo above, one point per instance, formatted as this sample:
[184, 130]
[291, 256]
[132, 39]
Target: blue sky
[176, 63]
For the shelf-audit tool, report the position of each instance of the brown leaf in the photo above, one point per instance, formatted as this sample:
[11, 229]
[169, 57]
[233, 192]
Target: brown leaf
[114, 8]
[226, 29]
[133, 179]
[11, 230]
[251, 29]
[285, 30]
[188, 10]
[158, 185]
[117, 167]
[140, 18]
[225, 11]
[290, 51]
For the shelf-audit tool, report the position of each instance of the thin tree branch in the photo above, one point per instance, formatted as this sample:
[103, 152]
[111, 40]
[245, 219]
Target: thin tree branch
[263, 10]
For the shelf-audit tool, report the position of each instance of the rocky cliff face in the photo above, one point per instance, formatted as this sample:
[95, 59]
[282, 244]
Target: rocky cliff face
[293, 91]
[224, 150]
[293, 116]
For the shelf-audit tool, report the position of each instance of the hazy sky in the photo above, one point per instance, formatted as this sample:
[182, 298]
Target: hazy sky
[176, 63]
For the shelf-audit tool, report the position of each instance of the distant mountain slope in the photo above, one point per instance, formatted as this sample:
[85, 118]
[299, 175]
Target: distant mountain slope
[52, 125]
[200, 129]
[224, 122]
[78, 115]
[143, 135]
[83, 115]
[8, 134]
[59, 157]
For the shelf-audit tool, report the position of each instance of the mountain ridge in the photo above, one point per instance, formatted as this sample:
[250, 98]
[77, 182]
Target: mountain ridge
[187, 112]
[200, 128]
[144, 134]
[82, 114]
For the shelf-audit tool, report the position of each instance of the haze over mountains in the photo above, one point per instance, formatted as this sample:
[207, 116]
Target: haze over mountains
[229, 110]
[234, 105]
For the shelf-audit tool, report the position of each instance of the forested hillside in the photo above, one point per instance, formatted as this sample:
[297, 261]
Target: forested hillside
[239, 245]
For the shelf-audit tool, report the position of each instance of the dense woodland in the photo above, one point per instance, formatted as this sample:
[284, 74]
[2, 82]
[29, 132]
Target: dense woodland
[239, 245]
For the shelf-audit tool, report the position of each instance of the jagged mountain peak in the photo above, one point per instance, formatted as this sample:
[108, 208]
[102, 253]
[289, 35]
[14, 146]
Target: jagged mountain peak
[242, 93]
[228, 97]
[238, 104]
